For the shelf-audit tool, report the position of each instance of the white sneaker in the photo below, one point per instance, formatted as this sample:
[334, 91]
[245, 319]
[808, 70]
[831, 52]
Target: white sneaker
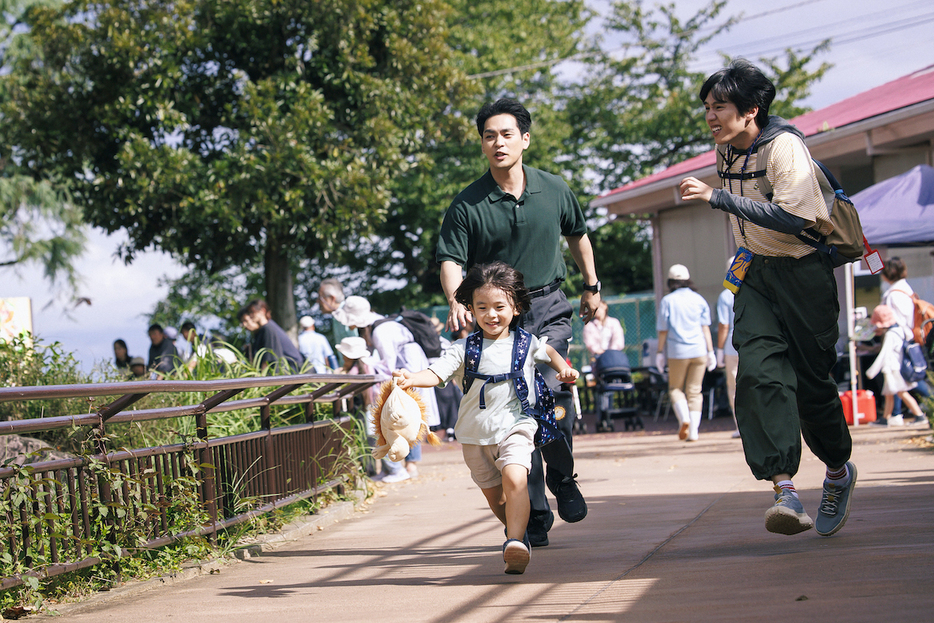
[896, 420]
[399, 476]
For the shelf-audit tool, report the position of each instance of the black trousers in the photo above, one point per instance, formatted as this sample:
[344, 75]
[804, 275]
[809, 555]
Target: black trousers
[550, 316]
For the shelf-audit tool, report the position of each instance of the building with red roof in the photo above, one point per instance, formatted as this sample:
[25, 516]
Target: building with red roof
[863, 140]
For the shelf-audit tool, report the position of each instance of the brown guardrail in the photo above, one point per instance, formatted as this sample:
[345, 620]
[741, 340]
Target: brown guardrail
[67, 514]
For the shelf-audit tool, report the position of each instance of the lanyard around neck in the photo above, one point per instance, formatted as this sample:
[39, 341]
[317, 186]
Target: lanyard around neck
[732, 158]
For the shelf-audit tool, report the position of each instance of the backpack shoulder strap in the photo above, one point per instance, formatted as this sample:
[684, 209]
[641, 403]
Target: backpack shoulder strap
[727, 175]
[544, 409]
[472, 348]
[520, 350]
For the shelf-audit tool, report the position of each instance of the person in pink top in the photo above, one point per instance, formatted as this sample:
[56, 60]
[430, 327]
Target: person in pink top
[603, 333]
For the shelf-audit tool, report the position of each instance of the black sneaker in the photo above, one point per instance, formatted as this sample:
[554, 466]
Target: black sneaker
[571, 505]
[539, 525]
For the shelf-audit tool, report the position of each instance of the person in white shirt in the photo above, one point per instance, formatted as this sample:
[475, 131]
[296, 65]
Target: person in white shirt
[684, 340]
[889, 363]
[313, 345]
[900, 298]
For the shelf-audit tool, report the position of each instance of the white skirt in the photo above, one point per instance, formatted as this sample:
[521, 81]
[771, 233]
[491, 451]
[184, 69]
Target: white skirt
[895, 383]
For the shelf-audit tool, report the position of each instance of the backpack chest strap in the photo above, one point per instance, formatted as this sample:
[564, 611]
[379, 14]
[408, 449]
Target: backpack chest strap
[520, 349]
[488, 378]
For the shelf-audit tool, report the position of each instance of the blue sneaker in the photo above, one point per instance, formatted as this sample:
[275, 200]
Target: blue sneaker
[787, 516]
[835, 504]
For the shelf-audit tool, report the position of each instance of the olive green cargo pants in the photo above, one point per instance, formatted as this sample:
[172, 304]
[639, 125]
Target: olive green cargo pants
[786, 334]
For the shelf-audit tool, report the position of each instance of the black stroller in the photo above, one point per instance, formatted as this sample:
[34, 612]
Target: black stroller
[614, 393]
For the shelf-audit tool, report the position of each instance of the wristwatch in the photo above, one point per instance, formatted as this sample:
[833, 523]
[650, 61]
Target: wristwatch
[594, 288]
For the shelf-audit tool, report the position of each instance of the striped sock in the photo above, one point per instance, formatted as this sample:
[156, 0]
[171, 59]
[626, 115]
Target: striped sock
[840, 476]
[788, 486]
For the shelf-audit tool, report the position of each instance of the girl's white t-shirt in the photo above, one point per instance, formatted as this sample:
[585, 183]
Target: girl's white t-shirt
[489, 426]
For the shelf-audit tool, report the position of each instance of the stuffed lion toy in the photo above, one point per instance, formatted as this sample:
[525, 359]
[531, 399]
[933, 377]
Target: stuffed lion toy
[399, 419]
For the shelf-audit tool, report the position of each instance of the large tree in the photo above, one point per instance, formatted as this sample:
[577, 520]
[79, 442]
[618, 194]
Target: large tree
[233, 132]
[39, 224]
[489, 39]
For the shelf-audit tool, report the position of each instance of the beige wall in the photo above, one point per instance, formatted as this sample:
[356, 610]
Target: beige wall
[891, 165]
[700, 238]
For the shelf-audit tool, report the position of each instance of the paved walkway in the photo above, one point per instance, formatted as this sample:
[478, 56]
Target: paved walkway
[675, 533]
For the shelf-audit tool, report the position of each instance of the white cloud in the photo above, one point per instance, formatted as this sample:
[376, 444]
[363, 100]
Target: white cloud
[121, 298]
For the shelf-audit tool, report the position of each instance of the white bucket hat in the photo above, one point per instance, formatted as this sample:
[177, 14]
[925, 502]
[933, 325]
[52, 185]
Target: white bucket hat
[679, 272]
[355, 312]
[353, 348]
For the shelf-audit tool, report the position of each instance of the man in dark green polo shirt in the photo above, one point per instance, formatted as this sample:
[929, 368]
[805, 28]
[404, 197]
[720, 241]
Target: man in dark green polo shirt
[518, 215]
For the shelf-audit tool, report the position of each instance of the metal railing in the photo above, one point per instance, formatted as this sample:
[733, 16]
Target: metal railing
[58, 512]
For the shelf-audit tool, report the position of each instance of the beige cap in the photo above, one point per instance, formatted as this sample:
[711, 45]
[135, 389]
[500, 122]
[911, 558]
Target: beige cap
[679, 272]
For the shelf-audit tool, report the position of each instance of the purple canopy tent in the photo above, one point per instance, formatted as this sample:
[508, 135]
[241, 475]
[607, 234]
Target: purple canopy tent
[899, 210]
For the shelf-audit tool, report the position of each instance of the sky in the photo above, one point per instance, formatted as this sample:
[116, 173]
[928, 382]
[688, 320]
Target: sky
[874, 42]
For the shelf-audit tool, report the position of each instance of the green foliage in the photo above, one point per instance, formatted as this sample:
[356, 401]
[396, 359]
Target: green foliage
[26, 361]
[120, 526]
[256, 139]
[637, 111]
[123, 525]
[39, 223]
[486, 37]
[623, 252]
[232, 132]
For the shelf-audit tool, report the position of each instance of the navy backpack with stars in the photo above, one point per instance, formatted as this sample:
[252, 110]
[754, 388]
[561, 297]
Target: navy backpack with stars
[544, 409]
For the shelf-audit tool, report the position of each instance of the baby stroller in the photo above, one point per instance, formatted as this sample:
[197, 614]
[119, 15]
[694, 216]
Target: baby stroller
[614, 393]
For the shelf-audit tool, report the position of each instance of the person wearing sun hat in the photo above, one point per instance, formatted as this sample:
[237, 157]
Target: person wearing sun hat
[352, 349]
[358, 360]
[396, 349]
[355, 313]
[684, 332]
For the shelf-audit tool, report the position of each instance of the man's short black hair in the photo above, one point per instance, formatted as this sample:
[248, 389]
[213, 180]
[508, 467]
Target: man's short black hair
[155, 327]
[743, 84]
[505, 106]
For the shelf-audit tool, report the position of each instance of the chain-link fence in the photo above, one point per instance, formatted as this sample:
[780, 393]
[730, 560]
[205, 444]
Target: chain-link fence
[636, 312]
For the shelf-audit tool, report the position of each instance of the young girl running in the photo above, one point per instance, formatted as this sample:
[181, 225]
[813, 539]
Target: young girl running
[496, 435]
[889, 363]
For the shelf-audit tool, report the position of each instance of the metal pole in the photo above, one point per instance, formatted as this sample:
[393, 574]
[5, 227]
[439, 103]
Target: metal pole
[851, 340]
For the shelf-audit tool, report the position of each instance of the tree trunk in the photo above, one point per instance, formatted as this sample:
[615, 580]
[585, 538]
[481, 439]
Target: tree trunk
[279, 290]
